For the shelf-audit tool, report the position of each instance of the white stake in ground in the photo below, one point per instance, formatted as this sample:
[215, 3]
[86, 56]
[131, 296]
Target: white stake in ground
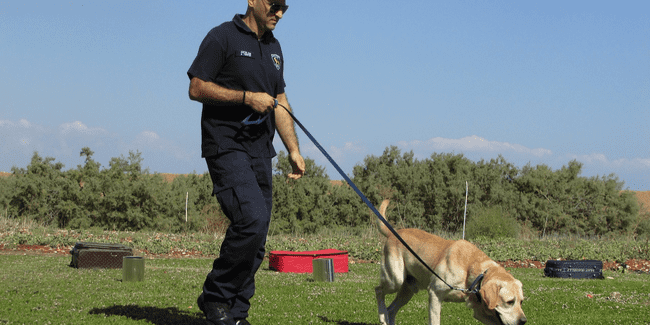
[465, 213]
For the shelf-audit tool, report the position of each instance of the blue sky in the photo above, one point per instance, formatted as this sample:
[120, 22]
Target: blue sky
[541, 82]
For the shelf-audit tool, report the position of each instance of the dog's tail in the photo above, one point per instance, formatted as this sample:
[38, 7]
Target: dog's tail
[380, 225]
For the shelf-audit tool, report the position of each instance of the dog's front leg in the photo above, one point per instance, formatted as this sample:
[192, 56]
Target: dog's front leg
[434, 308]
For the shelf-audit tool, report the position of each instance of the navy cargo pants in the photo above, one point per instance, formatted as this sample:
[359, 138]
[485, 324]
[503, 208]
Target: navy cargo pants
[243, 187]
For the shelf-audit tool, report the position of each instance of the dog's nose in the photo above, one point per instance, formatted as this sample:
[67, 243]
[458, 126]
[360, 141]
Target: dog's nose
[522, 321]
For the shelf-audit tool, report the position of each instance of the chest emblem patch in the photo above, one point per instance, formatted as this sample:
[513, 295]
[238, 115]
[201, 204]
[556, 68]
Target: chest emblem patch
[276, 61]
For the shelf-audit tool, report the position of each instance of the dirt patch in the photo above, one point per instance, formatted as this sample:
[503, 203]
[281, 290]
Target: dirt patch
[527, 264]
[40, 250]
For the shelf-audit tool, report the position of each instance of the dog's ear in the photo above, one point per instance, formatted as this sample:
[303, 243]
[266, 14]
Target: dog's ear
[490, 294]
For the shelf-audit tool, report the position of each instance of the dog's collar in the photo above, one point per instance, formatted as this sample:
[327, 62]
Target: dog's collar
[476, 285]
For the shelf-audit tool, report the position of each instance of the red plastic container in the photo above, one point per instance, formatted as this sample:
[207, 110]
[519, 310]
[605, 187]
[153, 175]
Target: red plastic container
[301, 262]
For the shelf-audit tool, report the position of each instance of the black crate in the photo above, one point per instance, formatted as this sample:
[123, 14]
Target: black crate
[99, 255]
[586, 269]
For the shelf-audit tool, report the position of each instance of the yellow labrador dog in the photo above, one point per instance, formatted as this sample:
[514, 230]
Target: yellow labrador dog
[459, 263]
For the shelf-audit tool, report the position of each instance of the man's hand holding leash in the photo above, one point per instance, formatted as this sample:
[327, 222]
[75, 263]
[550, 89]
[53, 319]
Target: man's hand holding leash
[285, 127]
[260, 102]
[264, 104]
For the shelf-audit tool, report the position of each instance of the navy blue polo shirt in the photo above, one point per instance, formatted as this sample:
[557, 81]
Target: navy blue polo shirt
[231, 56]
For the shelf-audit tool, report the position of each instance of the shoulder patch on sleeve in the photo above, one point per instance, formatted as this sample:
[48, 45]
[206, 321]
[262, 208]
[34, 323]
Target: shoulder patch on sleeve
[277, 61]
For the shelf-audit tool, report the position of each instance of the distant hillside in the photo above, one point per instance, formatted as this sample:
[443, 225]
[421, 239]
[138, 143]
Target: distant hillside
[644, 200]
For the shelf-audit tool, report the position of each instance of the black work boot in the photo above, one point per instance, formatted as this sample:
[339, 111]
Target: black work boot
[216, 313]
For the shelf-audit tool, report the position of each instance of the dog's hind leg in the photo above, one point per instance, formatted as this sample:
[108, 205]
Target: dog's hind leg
[391, 280]
[405, 293]
[381, 305]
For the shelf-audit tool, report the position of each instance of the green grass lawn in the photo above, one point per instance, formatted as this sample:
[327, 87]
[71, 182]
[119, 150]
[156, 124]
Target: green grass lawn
[44, 290]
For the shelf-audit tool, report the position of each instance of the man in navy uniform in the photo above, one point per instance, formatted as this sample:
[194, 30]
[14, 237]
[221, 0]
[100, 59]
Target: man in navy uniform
[238, 77]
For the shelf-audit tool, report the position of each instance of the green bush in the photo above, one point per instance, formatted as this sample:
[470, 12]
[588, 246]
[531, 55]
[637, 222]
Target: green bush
[491, 222]
[643, 229]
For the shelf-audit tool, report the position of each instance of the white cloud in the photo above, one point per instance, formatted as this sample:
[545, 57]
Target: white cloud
[24, 123]
[349, 148]
[602, 160]
[472, 144]
[590, 159]
[20, 126]
[20, 134]
[79, 128]
[310, 150]
[4, 124]
[148, 137]
[635, 172]
[159, 148]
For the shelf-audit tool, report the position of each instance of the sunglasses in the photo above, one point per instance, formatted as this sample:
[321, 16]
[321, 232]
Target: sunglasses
[278, 7]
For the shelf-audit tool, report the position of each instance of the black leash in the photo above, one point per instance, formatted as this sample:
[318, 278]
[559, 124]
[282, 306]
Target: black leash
[474, 288]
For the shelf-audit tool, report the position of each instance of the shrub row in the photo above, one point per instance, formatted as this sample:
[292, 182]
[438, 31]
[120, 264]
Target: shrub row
[504, 201]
